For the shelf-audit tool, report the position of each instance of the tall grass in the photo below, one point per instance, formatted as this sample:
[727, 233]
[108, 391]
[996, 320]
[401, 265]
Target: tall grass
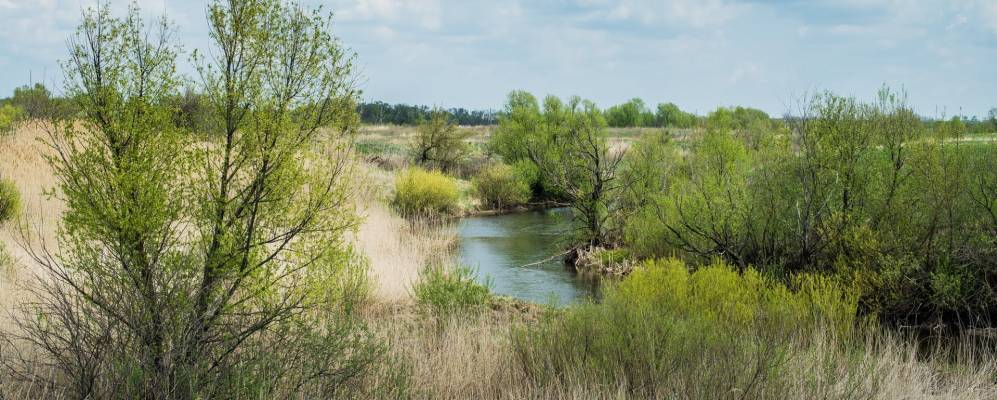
[480, 357]
[10, 200]
[449, 290]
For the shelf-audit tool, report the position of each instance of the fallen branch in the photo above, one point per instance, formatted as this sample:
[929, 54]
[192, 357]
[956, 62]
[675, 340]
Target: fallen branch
[546, 260]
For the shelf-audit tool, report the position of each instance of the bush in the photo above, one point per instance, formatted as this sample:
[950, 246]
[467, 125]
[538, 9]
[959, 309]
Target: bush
[10, 200]
[499, 186]
[440, 143]
[421, 192]
[446, 291]
[9, 117]
[664, 330]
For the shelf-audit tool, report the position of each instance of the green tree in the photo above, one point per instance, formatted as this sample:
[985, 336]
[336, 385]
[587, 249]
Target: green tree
[669, 115]
[527, 133]
[192, 270]
[633, 113]
[34, 100]
[577, 162]
[518, 123]
[440, 143]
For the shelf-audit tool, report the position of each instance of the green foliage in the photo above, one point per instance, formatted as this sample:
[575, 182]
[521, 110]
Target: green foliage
[439, 143]
[203, 271]
[10, 200]
[10, 116]
[748, 124]
[527, 136]
[633, 113]
[867, 192]
[518, 126]
[34, 100]
[379, 112]
[447, 291]
[670, 116]
[192, 112]
[37, 102]
[575, 160]
[499, 186]
[664, 330]
[705, 203]
[736, 118]
[422, 192]
[377, 148]
[528, 172]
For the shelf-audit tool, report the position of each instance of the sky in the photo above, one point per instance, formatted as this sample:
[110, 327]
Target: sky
[699, 54]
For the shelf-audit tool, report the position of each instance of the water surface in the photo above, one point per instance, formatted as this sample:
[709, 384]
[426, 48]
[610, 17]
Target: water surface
[498, 246]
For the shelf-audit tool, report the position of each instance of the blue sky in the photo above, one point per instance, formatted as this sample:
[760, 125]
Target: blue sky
[699, 54]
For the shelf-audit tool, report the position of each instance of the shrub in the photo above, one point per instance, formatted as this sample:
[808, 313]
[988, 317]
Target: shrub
[664, 330]
[499, 186]
[9, 117]
[421, 192]
[10, 200]
[439, 143]
[446, 291]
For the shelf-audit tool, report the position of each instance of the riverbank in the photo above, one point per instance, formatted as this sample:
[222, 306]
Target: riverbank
[547, 205]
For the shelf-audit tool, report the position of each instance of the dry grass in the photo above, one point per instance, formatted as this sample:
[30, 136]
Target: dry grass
[398, 249]
[22, 160]
[474, 357]
[402, 134]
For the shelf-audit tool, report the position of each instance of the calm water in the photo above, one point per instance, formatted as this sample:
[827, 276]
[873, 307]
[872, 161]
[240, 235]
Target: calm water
[498, 246]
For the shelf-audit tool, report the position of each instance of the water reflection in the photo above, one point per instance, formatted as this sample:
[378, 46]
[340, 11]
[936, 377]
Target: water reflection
[498, 246]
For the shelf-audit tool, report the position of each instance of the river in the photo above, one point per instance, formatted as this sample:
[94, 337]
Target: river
[497, 247]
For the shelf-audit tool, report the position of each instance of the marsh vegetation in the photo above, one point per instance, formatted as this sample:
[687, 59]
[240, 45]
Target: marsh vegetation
[240, 233]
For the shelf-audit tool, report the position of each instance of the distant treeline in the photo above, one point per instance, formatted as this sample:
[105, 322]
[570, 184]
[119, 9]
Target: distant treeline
[37, 101]
[379, 112]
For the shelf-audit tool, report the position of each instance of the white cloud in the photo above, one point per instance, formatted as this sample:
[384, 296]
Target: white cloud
[425, 13]
[988, 13]
[694, 13]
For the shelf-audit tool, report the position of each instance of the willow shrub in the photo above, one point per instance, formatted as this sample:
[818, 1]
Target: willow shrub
[499, 186]
[422, 192]
[666, 332]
